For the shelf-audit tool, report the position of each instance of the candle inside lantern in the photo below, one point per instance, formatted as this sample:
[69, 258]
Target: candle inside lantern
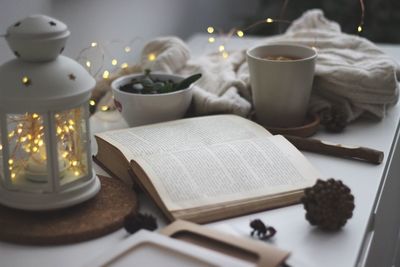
[37, 170]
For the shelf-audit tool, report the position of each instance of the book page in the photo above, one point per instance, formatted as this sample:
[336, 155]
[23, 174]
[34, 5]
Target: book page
[230, 171]
[183, 134]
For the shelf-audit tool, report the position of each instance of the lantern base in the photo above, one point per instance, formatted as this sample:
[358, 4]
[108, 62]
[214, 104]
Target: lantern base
[51, 201]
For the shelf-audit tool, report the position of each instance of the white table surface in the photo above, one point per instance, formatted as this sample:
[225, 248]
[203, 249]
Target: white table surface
[309, 246]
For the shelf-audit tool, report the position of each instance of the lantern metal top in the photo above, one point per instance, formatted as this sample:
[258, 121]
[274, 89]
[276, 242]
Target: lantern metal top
[40, 79]
[37, 38]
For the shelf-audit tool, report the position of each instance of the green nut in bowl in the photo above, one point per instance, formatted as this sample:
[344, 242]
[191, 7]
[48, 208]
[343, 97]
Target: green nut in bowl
[147, 98]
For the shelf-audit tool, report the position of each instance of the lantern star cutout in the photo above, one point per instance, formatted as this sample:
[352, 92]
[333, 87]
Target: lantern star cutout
[72, 77]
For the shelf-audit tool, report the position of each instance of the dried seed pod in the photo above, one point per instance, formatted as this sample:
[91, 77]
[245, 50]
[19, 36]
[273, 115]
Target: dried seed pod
[328, 204]
[262, 231]
[134, 222]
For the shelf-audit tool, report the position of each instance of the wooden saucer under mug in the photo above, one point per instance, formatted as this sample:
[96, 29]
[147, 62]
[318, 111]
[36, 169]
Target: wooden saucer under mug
[309, 128]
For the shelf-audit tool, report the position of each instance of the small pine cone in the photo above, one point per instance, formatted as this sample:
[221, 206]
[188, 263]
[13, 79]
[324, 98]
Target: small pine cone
[334, 119]
[328, 204]
[134, 222]
[325, 116]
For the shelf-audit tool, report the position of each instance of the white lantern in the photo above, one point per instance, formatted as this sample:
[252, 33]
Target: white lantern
[45, 160]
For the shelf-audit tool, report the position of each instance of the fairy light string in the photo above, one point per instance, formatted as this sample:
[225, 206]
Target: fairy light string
[361, 25]
[225, 37]
[282, 12]
[27, 136]
[102, 51]
[241, 32]
[28, 133]
[215, 35]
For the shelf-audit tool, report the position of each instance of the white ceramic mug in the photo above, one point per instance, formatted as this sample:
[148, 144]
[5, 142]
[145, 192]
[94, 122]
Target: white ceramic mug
[281, 88]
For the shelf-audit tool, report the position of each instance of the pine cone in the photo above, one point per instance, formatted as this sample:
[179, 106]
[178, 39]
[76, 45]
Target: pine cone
[325, 116]
[134, 222]
[334, 119]
[328, 204]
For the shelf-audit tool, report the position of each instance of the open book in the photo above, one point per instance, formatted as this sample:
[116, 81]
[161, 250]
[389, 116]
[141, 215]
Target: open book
[207, 168]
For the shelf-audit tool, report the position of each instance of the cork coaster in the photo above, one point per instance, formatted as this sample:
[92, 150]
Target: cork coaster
[96, 217]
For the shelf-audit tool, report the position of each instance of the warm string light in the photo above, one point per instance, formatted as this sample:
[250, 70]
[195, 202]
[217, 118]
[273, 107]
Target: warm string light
[68, 133]
[27, 136]
[360, 26]
[26, 81]
[265, 21]
[212, 39]
[104, 108]
[127, 48]
[224, 37]
[84, 60]
[106, 74]
[103, 51]
[152, 57]
[241, 32]
[238, 32]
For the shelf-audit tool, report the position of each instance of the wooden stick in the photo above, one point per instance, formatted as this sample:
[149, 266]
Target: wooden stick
[337, 150]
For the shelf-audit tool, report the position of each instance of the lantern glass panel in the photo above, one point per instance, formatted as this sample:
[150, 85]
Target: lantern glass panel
[72, 139]
[27, 155]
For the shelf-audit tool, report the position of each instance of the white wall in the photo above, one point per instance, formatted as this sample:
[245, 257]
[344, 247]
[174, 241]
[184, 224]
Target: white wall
[107, 20]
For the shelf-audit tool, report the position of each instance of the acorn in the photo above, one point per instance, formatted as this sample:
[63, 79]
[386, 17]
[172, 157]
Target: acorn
[328, 204]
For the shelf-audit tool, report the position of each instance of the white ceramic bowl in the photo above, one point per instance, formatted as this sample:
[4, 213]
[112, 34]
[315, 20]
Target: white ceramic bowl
[141, 109]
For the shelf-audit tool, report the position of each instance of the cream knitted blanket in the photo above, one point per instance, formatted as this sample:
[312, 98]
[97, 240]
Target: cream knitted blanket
[351, 72]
